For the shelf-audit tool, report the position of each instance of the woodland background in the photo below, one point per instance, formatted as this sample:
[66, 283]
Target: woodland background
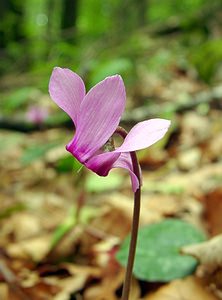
[61, 227]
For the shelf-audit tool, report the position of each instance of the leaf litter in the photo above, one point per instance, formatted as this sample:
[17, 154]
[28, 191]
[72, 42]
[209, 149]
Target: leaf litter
[181, 179]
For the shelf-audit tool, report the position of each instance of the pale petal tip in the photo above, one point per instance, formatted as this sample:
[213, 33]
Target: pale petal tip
[163, 122]
[56, 68]
[168, 122]
[114, 77]
[117, 76]
[55, 72]
[60, 69]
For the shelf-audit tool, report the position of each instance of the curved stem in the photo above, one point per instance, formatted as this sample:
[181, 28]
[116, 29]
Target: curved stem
[135, 223]
[132, 249]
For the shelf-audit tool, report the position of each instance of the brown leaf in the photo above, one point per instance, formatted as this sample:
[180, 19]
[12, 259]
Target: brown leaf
[213, 211]
[208, 253]
[183, 289]
[107, 288]
[3, 291]
[34, 249]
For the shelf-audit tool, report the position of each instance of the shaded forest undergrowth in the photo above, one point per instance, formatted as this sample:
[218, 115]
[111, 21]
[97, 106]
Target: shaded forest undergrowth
[60, 229]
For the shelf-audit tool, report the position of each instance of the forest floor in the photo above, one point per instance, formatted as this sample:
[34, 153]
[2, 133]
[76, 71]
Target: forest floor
[60, 228]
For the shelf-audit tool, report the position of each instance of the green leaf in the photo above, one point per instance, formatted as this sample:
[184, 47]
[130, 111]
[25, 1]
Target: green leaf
[211, 53]
[68, 163]
[16, 99]
[35, 152]
[63, 228]
[95, 183]
[121, 66]
[8, 211]
[86, 214]
[157, 255]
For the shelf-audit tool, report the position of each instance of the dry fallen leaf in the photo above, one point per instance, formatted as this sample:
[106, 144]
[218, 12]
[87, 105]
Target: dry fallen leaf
[76, 282]
[106, 289]
[24, 225]
[213, 210]
[3, 291]
[184, 289]
[209, 256]
[208, 253]
[34, 248]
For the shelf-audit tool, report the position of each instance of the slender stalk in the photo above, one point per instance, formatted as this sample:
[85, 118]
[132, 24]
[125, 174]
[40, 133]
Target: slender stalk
[135, 223]
[132, 249]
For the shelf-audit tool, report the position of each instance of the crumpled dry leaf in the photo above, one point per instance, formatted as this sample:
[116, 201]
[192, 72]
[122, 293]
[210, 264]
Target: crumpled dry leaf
[186, 289]
[79, 276]
[24, 225]
[22, 283]
[34, 248]
[3, 291]
[215, 147]
[105, 250]
[154, 208]
[189, 159]
[195, 183]
[114, 215]
[195, 129]
[107, 288]
[213, 210]
[208, 253]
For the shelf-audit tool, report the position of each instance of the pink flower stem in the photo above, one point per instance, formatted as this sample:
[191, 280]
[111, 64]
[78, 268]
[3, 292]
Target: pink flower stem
[135, 223]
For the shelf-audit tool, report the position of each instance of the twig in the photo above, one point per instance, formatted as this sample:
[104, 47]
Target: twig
[213, 95]
[12, 280]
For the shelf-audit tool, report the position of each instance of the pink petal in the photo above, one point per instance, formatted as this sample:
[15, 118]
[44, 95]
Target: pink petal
[144, 134]
[124, 161]
[101, 164]
[100, 113]
[67, 89]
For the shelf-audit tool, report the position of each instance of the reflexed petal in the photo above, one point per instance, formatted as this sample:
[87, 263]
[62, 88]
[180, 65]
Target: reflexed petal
[124, 161]
[67, 89]
[144, 134]
[101, 164]
[100, 113]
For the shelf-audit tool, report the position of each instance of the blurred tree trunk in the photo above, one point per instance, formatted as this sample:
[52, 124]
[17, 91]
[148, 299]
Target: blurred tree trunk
[142, 12]
[12, 17]
[3, 12]
[17, 8]
[54, 19]
[69, 17]
[132, 14]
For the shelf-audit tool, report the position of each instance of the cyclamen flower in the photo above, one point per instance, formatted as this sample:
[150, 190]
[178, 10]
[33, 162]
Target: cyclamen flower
[37, 114]
[96, 116]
